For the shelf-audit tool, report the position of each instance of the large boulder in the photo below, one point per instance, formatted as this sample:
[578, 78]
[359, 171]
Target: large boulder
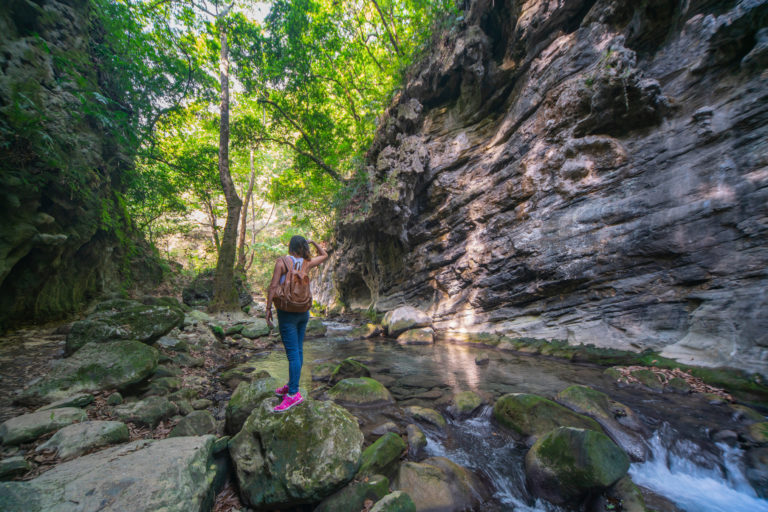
[383, 455]
[426, 415]
[567, 464]
[619, 421]
[29, 427]
[95, 367]
[440, 485]
[200, 290]
[404, 318]
[297, 457]
[352, 497]
[360, 391]
[128, 320]
[77, 439]
[245, 399]
[532, 416]
[172, 475]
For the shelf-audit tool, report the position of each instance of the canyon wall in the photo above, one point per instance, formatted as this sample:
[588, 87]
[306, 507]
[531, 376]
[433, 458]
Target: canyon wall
[594, 171]
[65, 236]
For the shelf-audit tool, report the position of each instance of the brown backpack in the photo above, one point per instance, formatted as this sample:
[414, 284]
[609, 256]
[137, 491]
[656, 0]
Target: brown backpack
[293, 294]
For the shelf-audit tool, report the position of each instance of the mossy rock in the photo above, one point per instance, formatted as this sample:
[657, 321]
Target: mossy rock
[163, 386]
[74, 440]
[417, 440]
[315, 328]
[479, 338]
[397, 501]
[347, 369]
[245, 399]
[80, 400]
[352, 497]
[246, 372]
[438, 483]
[28, 427]
[95, 367]
[648, 379]
[531, 415]
[173, 344]
[256, 329]
[148, 412]
[744, 412]
[13, 467]
[568, 464]
[199, 293]
[322, 372]
[297, 457]
[426, 415]
[422, 336]
[196, 423]
[628, 494]
[465, 403]
[360, 391]
[383, 455]
[758, 432]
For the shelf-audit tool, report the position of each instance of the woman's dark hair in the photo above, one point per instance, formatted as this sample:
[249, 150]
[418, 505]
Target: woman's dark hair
[299, 245]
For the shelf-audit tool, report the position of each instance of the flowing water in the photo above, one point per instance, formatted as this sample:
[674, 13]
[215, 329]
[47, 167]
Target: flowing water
[686, 467]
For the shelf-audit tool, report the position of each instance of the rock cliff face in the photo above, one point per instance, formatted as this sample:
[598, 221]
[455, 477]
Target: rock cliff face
[64, 235]
[595, 171]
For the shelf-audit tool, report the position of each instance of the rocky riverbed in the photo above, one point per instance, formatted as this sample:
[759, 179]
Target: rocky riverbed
[182, 421]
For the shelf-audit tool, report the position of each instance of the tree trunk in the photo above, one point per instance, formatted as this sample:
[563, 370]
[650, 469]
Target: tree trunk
[224, 292]
[244, 218]
[208, 207]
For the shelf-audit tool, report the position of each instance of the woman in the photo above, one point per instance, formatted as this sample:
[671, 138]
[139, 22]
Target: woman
[292, 325]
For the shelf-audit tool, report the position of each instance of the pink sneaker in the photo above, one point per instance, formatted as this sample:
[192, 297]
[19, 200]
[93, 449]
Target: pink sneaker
[289, 401]
[282, 391]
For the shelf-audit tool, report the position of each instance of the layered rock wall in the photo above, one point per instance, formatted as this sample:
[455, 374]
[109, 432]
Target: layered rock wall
[595, 171]
[65, 236]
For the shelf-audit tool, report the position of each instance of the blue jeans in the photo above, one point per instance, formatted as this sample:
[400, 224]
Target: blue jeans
[292, 327]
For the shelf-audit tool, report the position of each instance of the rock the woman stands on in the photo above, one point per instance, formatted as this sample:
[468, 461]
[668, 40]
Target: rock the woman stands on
[289, 289]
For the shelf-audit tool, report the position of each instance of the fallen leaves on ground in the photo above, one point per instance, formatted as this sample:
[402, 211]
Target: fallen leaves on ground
[227, 499]
[666, 374]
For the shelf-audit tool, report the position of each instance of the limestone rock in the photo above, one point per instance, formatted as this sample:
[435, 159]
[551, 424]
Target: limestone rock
[423, 336]
[245, 399]
[426, 415]
[403, 319]
[352, 497]
[567, 464]
[533, 416]
[79, 438]
[619, 421]
[96, 366]
[382, 456]
[397, 501]
[148, 412]
[134, 322]
[300, 456]
[440, 484]
[349, 368]
[29, 427]
[360, 391]
[173, 475]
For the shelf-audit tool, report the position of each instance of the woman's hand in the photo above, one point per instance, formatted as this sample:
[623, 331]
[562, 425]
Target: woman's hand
[269, 318]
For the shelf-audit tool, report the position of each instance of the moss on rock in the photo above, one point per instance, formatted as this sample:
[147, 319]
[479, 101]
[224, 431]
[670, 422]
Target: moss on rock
[349, 368]
[383, 455]
[533, 415]
[360, 391]
[352, 497]
[245, 399]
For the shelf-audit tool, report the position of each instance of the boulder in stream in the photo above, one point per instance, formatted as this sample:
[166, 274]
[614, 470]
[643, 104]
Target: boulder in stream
[404, 318]
[172, 475]
[465, 403]
[360, 391]
[96, 366]
[422, 336]
[297, 457]
[383, 455]
[417, 441]
[426, 415]
[352, 497]
[128, 320]
[567, 464]
[531, 416]
[77, 439]
[438, 483]
[29, 427]
[619, 421]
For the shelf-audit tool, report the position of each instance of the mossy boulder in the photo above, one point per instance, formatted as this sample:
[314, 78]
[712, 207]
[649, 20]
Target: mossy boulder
[245, 399]
[79, 400]
[360, 391]
[465, 403]
[245, 372]
[196, 423]
[530, 415]
[255, 329]
[568, 464]
[162, 385]
[29, 427]
[758, 432]
[383, 455]
[417, 440]
[423, 336]
[397, 501]
[95, 367]
[426, 415]
[170, 475]
[619, 421]
[298, 457]
[315, 328]
[173, 344]
[438, 483]
[322, 372]
[404, 318]
[135, 322]
[148, 412]
[352, 497]
[347, 369]
[74, 440]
